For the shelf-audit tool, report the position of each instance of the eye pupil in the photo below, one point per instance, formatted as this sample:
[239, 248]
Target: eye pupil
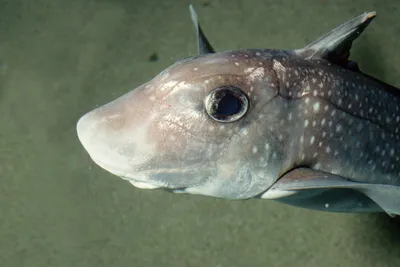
[226, 104]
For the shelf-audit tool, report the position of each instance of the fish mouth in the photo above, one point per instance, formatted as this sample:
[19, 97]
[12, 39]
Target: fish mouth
[138, 179]
[158, 178]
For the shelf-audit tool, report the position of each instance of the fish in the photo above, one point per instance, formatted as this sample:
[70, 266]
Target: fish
[305, 127]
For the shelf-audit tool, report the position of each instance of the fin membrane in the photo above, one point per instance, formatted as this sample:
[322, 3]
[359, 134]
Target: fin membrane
[335, 46]
[203, 46]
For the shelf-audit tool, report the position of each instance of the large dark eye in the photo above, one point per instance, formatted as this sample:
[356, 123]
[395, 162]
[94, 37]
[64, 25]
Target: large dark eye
[226, 104]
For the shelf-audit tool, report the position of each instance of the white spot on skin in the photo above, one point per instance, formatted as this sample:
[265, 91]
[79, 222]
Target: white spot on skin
[256, 74]
[316, 107]
[195, 69]
[237, 63]
[305, 123]
[312, 140]
[254, 149]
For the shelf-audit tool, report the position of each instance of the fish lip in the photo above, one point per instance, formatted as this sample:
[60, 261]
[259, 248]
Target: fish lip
[108, 167]
[132, 177]
[124, 175]
[144, 177]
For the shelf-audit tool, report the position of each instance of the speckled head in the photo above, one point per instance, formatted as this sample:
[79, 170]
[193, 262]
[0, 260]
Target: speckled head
[187, 128]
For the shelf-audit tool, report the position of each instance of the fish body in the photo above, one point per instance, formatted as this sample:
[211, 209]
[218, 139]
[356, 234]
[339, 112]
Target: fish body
[304, 127]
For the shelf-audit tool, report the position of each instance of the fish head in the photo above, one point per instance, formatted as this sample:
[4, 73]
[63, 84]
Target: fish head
[197, 127]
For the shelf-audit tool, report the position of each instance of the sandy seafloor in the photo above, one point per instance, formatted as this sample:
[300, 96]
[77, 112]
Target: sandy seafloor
[60, 59]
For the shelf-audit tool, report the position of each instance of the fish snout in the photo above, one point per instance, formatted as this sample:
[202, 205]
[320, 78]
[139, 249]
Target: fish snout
[119, 147]
[107, 144]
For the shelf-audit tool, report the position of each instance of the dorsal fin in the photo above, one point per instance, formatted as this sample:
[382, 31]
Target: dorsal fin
[335, 46]
[204, 47]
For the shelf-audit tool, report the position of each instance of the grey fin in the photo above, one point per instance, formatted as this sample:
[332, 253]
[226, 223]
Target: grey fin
[318, 190]
[335, 46]
[203, 46]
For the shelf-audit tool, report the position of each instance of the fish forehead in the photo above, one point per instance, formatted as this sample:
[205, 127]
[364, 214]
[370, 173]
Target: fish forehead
[349, 120]
[237, 62]
[193, 78]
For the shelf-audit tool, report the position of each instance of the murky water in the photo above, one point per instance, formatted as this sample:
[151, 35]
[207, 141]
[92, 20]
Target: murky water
[60, 59]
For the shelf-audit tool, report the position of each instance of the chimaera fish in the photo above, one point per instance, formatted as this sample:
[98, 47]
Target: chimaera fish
[305, 127]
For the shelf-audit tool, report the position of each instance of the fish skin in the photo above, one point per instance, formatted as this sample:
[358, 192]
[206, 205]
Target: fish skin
[344, 113]
[304, 111]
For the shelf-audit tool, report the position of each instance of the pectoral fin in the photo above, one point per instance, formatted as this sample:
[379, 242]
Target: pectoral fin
[312, 189]
[335, 46]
